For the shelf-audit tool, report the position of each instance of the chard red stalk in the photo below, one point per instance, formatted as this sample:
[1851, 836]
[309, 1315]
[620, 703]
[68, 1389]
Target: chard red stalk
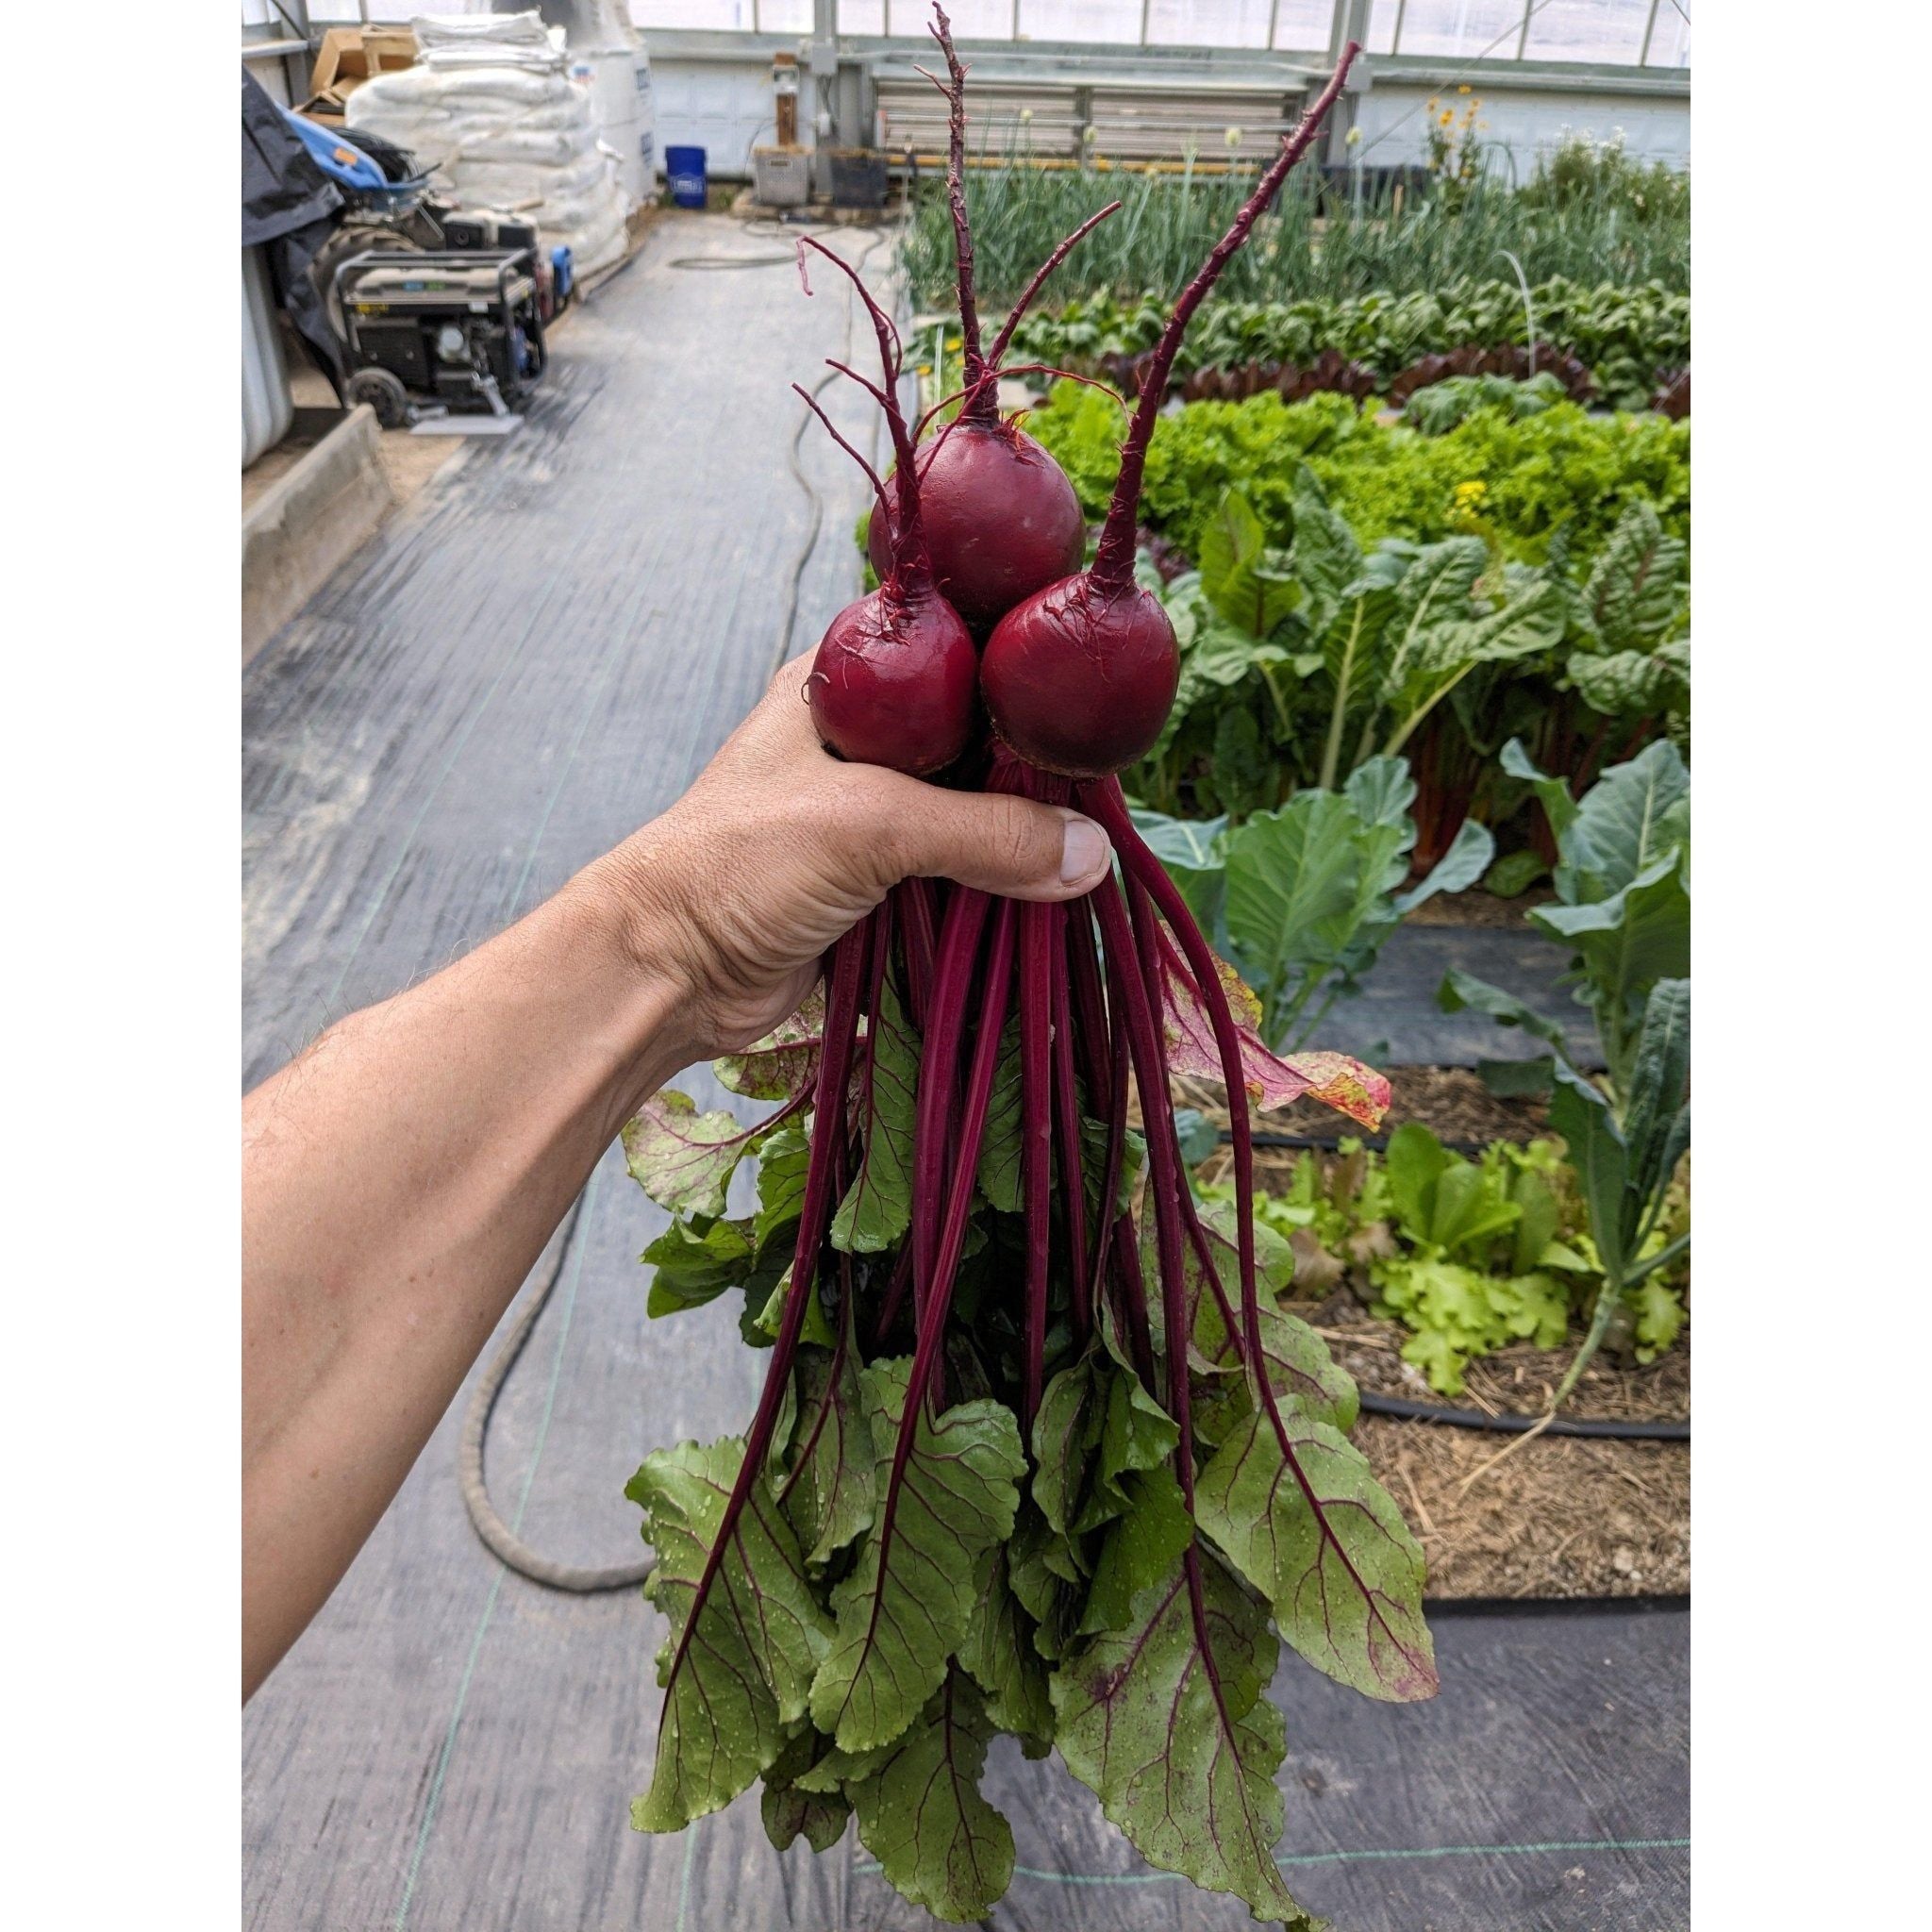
[844, 982]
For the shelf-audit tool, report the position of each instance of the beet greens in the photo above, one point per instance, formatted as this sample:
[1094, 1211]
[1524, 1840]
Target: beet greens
[1038, 1451]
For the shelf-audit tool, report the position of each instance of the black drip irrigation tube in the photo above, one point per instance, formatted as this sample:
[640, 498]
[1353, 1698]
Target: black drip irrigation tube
[1603, 1428]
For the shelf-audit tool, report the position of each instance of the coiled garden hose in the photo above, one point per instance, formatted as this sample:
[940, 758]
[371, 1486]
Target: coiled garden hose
[502, 1542]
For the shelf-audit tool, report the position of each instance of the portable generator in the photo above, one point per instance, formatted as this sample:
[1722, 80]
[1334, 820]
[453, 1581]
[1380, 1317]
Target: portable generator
[447, 331]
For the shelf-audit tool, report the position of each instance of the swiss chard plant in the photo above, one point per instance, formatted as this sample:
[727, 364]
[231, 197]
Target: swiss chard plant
[1302, 899]
[1472, 1255]
[1621, 910]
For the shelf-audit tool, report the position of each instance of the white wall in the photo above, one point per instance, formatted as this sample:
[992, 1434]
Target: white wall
[1527, 125]
[722, 108]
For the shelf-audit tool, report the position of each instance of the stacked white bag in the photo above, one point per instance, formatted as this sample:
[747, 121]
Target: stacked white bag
[491, 113]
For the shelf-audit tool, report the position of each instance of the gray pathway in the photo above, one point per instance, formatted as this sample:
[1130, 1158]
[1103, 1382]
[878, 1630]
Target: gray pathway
[537, 654]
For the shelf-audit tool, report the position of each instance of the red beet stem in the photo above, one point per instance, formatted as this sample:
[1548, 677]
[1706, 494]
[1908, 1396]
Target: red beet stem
[939, 1067]
[846, 979]
[1039, 281]
[1038, 957]
[914, 900]
[994, 999]
[1164, 1172]
[1106, 803]
[1113, 563]
[996, 996]
[891, 359]
[871, 475]
[953, 88]
[1066, 1120]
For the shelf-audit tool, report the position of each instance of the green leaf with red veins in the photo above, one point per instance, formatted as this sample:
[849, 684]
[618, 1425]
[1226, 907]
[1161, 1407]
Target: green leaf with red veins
[921, 1817]
[746, 1673]
[1320, 1538]
[906, 1606]
[1301, 1371]
[785, 1062]
[1065, 1434]
[1140, 1548]
[1000, 1151]
[998, 1651]
[829, 1495]
[1333, 1079]
[1165, 1722]
[790, 1811]
[877, 1207]
[682, 1158]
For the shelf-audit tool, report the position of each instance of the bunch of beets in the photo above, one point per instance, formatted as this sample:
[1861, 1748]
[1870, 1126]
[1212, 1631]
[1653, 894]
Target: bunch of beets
[1037, 1451]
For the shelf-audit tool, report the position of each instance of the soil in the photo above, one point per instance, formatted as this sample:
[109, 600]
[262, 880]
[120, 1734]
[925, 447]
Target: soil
[1478, 907]
[1451, 1101]
[1557, 1516]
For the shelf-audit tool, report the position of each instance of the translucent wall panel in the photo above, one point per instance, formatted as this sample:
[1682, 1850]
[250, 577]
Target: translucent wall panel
[1604, 30]
[861, 16]
[724, 14]
[1670, 39]
[1304, 26]
[1461, 29]
[1383, 15]
[1207, 22]
[783, 16]
[972, 20]
[1117, 21]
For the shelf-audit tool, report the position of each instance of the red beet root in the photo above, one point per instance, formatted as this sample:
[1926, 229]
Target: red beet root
[895, 681]
[1080, 677]
[1000, 520]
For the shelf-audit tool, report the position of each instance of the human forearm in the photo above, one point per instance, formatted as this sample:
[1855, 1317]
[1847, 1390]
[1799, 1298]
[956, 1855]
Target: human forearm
[401, 1177]
[403, 1173]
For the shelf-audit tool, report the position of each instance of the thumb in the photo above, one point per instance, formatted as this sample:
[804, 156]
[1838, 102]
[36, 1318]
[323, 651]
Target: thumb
[999, 843]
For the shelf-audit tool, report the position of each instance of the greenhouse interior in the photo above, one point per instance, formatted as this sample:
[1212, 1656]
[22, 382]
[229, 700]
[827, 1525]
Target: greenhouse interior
[985, 1072]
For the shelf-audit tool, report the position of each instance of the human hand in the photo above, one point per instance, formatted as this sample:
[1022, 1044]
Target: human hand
[778, 848]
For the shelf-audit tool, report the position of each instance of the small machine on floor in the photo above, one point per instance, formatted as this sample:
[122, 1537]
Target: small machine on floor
[446, 339]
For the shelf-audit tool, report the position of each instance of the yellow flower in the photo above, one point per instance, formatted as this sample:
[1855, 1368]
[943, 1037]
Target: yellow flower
[1462, 90]
[1446, 116]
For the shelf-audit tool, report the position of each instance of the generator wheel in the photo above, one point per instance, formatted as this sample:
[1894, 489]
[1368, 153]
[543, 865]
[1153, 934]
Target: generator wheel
[383, 393]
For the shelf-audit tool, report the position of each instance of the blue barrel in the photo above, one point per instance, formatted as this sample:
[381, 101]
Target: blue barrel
[684, 169]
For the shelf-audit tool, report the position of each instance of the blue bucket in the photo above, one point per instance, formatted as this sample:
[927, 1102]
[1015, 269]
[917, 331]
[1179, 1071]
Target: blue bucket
[684, 170]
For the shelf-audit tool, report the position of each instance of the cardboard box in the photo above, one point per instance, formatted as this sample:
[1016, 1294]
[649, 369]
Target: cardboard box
[349, 56]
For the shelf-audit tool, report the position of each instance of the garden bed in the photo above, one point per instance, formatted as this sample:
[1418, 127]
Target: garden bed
[1560, 1516]
[1557, 1516]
